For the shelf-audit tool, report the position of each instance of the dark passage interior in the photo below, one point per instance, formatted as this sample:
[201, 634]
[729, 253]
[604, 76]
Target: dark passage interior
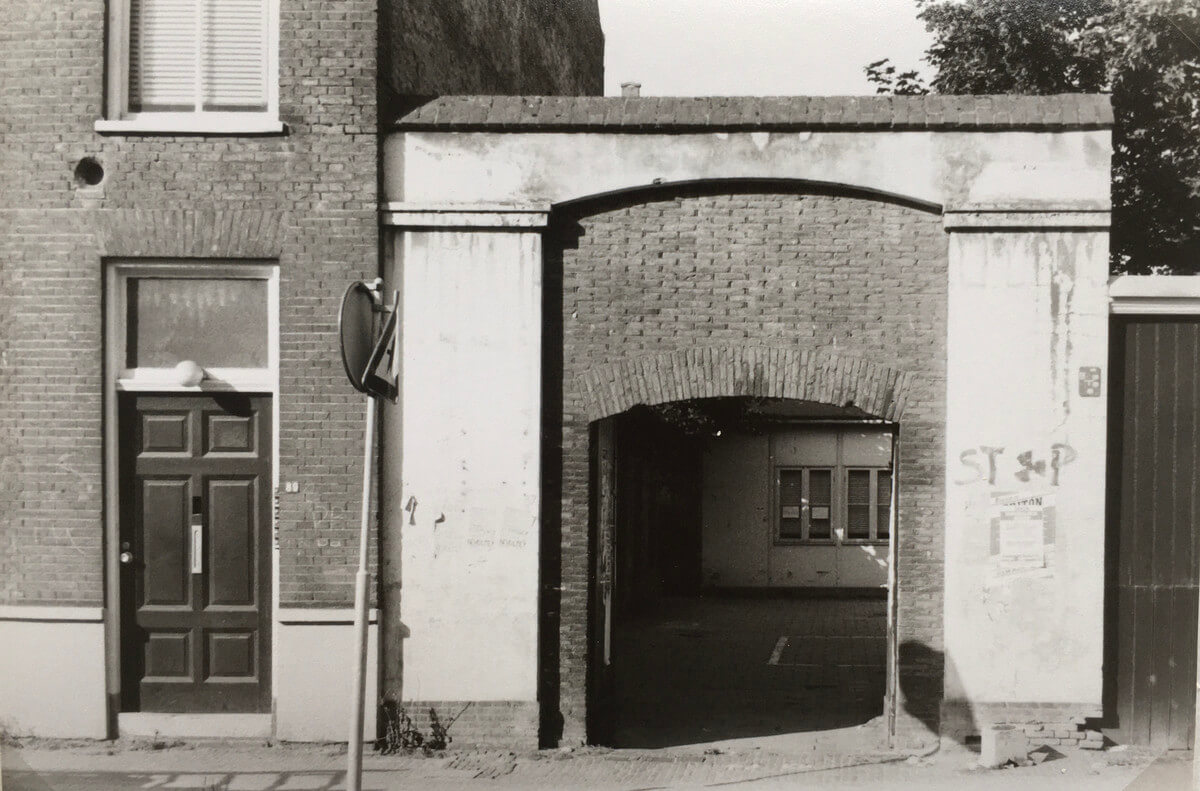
[691, 661]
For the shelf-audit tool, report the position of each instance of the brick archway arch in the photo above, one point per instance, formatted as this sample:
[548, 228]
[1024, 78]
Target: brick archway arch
[762, 371]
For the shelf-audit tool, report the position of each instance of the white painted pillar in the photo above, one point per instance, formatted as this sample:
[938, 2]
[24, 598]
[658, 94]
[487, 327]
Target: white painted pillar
[1027, 358]
[461, 478]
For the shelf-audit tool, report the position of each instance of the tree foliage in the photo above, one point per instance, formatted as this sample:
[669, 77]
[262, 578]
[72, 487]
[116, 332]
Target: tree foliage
[1145, 52]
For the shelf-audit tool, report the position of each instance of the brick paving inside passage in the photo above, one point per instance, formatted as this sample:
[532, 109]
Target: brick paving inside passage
[707, 669]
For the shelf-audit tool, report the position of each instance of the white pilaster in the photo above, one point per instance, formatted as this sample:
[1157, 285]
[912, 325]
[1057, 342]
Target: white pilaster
[465, 448]
[1025, 457]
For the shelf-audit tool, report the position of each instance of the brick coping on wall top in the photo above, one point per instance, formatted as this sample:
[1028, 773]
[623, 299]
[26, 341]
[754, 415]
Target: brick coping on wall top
[760, 113]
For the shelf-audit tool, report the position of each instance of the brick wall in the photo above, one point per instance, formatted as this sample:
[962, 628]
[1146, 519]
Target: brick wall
[1042, 723]
[483, 723]
[835, 274]
[312, 191]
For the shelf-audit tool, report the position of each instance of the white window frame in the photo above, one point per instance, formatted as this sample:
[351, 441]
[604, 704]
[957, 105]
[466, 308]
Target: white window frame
[839, 506]
[805, 509]
[157, 379]
[873, 505]
[119, 119]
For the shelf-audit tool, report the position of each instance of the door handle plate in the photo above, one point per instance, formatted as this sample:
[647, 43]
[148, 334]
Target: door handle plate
[197, 544]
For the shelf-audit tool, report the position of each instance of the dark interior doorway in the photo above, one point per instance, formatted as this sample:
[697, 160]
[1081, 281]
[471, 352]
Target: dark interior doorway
[678, 659]
[1152, 555]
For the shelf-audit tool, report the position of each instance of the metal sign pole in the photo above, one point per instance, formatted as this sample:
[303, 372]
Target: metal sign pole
[361, 583]
[362, 350]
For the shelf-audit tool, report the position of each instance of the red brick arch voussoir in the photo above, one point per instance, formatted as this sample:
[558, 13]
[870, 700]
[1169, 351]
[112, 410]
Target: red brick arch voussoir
[760, 371]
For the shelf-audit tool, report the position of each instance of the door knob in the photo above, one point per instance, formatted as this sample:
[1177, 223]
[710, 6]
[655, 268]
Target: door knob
[126, 558]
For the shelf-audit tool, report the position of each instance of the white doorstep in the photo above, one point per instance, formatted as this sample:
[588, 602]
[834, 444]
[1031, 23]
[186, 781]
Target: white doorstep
[194, 726]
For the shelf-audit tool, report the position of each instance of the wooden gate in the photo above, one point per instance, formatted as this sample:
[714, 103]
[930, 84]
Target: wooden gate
[1153, 550]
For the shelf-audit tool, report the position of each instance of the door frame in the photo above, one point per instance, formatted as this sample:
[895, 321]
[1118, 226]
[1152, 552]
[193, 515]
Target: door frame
[263, 381]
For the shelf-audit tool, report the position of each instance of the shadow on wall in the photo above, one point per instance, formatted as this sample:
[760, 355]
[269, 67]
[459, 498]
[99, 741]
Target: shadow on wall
[923, 671]
[550, 729]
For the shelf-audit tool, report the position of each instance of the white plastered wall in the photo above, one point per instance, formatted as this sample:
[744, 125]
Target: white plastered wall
[1025, 447]
[313, 679]
[466, 449]
[52, 672]
[1036, 170]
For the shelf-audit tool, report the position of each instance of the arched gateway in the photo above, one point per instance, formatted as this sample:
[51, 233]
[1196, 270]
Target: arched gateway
[743, 312]
[802, 281]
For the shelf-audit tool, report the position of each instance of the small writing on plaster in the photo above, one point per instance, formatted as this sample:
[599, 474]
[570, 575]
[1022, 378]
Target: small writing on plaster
[513, 532]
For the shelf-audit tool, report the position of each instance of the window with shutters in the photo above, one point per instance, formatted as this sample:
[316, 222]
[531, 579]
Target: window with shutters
[868, 504]
[193, 66]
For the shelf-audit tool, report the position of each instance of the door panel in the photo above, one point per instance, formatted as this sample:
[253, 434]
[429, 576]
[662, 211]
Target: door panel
[164, 540]
[229, 433]
[1152, 585]
[232, 526]
[195, 506]
[166, 432]
[231, 654]
[168, 655]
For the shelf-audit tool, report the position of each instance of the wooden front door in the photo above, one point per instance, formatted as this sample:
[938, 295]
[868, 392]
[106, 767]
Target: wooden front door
[195, 492]
[1153, 545]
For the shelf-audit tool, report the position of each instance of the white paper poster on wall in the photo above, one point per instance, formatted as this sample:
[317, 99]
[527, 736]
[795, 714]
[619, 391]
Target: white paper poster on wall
[1022, 535]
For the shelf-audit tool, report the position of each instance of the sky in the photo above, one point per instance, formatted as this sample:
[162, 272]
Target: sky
[756, 47]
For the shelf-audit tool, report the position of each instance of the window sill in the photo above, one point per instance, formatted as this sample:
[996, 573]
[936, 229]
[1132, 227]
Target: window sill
[184, 124]
[805, 542]
[829, 542]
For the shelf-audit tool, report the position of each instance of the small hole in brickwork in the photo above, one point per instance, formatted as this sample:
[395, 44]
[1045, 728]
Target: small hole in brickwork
[88, 172]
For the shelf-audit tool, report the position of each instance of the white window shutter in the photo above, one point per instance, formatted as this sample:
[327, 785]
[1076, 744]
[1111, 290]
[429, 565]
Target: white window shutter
[234, 55]
[162, 54]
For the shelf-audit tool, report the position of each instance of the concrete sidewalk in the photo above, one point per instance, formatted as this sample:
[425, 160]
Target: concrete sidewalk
[68, 766]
